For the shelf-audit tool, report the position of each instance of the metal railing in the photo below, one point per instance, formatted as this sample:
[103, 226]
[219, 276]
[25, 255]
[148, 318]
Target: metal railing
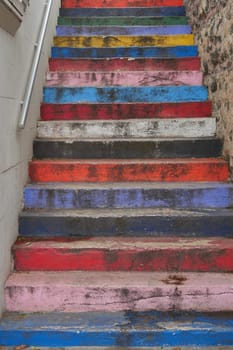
[32, 76]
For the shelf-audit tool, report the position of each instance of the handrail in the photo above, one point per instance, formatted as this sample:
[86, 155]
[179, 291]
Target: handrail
[36, 59]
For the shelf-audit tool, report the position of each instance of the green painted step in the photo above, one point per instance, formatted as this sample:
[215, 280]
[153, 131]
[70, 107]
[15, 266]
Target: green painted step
[122, 21]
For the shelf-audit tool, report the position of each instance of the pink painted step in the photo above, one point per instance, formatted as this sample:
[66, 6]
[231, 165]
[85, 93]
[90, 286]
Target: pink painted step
[135, 78]
[115, 291]
[124, 64]
[125, 254]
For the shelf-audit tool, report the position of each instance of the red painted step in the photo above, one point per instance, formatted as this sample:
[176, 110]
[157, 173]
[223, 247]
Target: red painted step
[177, 170]
[125, 254]
[87, 111]
[125, 64]
[119, 3]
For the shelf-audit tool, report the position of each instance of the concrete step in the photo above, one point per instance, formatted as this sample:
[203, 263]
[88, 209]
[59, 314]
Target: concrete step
[134, 78]
[138, 222]
[132, 129]
[122, 21]
[125, 11]
[125, 254]
[124, 94]
[73, 291]
[124, 64]
[125, 148]
[167, 170]
[122, 30]
[128, 195]
[112, 41]
[119, 330]
[119, 3]
[130, 52]
[120, 111]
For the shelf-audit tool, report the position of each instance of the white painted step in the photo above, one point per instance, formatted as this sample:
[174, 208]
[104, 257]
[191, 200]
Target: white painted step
[140, 128]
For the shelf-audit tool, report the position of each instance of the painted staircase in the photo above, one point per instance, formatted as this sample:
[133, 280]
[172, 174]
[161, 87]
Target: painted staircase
[125, 239]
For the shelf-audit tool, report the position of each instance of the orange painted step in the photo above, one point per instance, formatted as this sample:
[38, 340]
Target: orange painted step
[119, 111]
[119, 3]
[124, 64]
[211, 169]
[125, 254]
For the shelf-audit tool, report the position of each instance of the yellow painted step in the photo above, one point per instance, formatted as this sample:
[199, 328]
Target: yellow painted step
[124, 41]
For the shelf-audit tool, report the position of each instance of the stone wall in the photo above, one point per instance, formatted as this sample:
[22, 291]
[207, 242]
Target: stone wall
[212, 22]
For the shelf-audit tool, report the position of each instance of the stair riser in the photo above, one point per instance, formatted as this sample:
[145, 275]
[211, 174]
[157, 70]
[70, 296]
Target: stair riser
[149, 78]
[126, 30]
[125, 94]
[124, 64]
[210, 258]
[122, 21]
[123, 40]
[50, 198]
[127, 226]
[126, 12]
[124, 111]
[118, 331]
[182, 292]
[72, 171]
[119, 3]
[132, 52]
[127, 149]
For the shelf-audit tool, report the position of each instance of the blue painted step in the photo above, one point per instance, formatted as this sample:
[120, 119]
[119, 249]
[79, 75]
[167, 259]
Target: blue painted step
[123, 30]
[138, 222]
[128, 195]
[120, 329]
[126, 94]
[133, 52]
[126, 12]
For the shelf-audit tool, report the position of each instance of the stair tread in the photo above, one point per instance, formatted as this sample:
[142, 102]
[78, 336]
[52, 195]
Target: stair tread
[124, 139]
[145, 244]
[133, 161]
[130, 185]
[129, 212]
[215, 282]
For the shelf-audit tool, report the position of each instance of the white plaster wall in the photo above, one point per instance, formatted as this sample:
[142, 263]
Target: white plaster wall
[16, 53]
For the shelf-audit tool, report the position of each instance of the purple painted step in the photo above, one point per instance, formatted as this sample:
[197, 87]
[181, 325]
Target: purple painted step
[116, 291]
[128, 195]
[123, 30]
[139, 78]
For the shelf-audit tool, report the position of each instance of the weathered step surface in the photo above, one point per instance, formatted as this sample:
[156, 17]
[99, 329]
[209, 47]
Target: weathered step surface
[123, 40]
[125, 254]
[129, 195]
[119, 3]
[119, 111]
[123, 30]
[134, 78]
[124, 64]
[140, 128]
[131, 52]
[126, 222]
[167, 170]
[125, 94]
[126, 12]
[122, 21]
[118, 330]
[127, 148]
[72, 291]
